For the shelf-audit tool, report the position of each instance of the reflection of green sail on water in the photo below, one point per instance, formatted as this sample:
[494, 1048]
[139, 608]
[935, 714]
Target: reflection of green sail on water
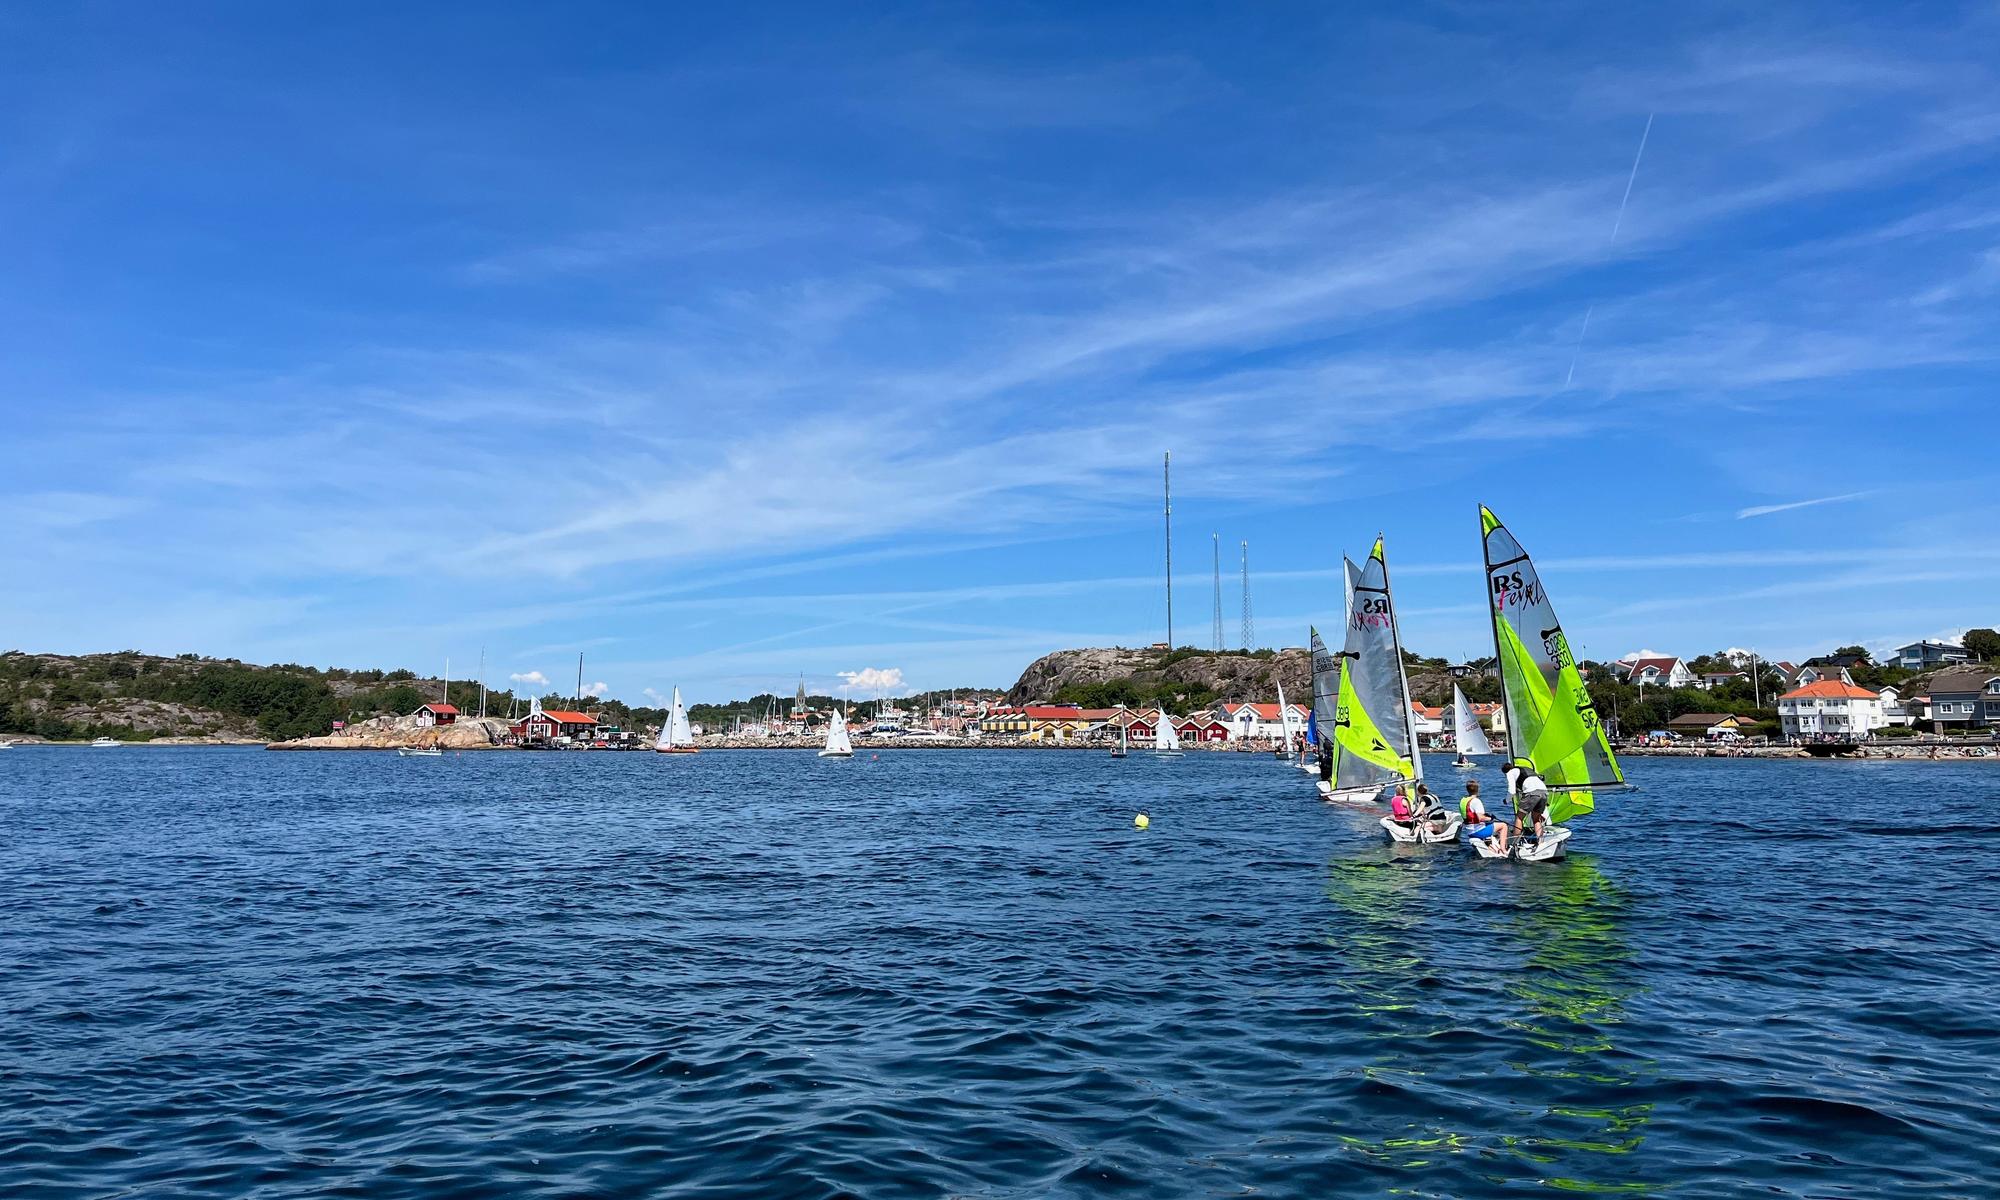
[1372, 745]
[1550, 941]
[1571, 1000]
[1550, 720]
[1384, 985]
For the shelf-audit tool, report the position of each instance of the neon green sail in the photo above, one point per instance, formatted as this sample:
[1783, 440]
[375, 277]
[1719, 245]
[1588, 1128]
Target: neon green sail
[1358, 737]
[1550, 720]
[1373, 745]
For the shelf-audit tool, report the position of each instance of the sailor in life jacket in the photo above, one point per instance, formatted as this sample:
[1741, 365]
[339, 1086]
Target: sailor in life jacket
[1477, 823]
[1530, 795]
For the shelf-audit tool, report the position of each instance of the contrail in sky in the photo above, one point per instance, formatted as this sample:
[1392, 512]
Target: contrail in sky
[1615, 226]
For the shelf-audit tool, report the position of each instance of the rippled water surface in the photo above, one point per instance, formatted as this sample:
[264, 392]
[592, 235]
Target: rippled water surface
[958, 973]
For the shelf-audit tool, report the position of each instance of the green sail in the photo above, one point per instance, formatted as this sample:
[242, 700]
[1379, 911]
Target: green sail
[1550, 720]
[1372, 743]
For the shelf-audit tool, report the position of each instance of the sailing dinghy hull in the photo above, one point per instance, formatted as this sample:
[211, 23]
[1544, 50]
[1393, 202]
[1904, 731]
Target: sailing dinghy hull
[1422, 833]
[1548, 848]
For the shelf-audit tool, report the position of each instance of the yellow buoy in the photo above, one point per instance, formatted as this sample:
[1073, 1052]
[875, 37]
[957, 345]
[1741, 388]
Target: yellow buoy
[1142, 820]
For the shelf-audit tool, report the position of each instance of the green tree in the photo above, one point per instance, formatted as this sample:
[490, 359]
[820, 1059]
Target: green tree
[1983, 644]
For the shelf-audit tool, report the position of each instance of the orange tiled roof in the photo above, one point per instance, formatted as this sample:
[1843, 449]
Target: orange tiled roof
[1829, 689]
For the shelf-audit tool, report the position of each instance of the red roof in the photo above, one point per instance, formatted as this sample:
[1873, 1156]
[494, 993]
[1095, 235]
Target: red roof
[452, 709]
[568, 718]
[1665, 666]
[1829, 689]
[1052, 712]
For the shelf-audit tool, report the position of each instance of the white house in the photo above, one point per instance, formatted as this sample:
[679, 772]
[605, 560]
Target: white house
[1816, 672]
[1830, 708]
[1894, 711]
[1656, 671]
[1426, 722]
[1260, 721]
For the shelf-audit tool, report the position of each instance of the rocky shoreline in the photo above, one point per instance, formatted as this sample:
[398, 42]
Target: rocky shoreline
[1918, 753]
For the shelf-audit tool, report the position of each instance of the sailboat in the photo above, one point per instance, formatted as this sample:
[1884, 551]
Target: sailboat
[1124, 745]
[1166, 739]
[1374, 746]
[1284, 724]
[1466, 732]
[1319, 723]
[676, 736]
[837, 743]
[1552, 726]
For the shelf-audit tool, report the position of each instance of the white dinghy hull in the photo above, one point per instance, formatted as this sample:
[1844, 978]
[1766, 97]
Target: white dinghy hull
[1549, 847]
[1420, 833]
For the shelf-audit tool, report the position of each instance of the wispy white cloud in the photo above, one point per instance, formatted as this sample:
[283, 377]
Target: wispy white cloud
[1765, 510]
[532, 678]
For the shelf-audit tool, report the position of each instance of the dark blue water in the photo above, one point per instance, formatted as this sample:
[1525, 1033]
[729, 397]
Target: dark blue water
[235, 973]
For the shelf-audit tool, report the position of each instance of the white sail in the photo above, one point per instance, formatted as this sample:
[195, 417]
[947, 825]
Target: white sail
[836, 736]
[678, 732]
[1285, 716]
[1465, 725]
[1165, 736]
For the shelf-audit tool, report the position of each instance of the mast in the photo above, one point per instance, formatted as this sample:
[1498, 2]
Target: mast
[1216, 539]
[482, 683]
[1249, 626]
[1499, 668]
[1167, 489]
[579, 680]
[1402, 670]
[445, 698]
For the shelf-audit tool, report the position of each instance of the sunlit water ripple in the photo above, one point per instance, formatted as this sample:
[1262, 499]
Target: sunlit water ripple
[944, 973]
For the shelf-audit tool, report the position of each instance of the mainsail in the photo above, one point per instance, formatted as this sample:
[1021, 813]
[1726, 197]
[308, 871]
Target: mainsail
[677, 732]
[1326, 686]
[1465, 725]
[1285, 718]
[1550, 720]
[836, 735]
[1371, 724]
[1165, 736]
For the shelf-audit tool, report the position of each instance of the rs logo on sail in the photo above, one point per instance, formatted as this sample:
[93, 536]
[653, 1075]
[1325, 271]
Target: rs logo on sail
[1510, 590]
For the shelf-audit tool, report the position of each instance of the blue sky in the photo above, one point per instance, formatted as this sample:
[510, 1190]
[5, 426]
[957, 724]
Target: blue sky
[728, 346]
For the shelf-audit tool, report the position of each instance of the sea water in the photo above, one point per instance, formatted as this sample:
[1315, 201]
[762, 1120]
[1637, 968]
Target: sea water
[932, 973]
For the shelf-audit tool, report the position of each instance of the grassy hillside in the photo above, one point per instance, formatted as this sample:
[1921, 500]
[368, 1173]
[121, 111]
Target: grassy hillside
[133, 696]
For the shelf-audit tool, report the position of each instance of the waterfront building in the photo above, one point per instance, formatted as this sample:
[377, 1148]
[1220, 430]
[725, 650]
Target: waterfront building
[1965, 699]
[1830, 708]
[1202, 727]
[540, 727]
[436, 714]
[1894, 710]
[1248, 722]
[1710, 680]
[1712, 726]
